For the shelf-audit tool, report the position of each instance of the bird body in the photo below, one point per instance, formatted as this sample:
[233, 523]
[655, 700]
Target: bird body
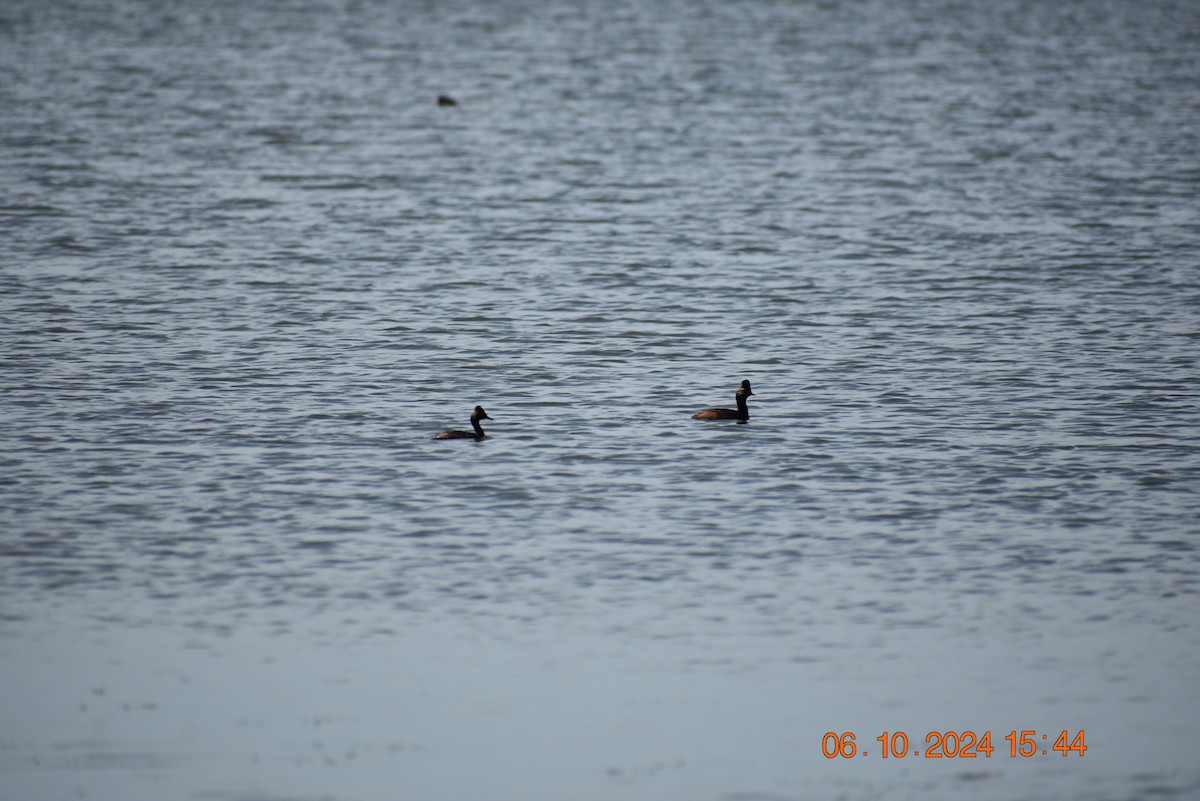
[741, 413]
[477, 434]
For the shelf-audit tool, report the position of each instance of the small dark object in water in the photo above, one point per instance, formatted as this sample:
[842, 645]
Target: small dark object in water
[741, 413]
[477, 434]
[446, 100]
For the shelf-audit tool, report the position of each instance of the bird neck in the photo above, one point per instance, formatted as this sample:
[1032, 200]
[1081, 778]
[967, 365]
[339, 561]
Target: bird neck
[743, 409]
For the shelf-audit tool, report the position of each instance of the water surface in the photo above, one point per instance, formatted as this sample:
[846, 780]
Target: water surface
[249, 267]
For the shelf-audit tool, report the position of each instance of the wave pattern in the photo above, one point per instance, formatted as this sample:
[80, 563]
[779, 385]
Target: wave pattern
[250, 266]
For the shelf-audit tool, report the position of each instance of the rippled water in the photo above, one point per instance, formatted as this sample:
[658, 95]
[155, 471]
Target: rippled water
[249, 267]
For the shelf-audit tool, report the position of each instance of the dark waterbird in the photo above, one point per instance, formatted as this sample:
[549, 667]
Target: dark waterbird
[477, 434]
[741, 413]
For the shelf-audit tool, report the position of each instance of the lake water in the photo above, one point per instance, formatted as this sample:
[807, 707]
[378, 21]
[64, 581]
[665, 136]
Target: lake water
[248, 266]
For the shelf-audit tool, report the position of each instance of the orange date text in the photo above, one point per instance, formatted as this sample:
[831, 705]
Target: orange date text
[1022, 743]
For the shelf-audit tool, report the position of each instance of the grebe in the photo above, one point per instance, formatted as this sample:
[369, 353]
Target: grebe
[741, 413]
[477, 434]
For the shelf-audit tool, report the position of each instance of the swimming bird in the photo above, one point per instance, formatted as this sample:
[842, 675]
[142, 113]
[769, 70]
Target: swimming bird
[741, 413]
[477, 434]
[446, 100]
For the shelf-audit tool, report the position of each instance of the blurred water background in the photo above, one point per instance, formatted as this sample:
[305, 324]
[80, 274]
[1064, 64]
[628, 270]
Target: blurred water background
[248, 266]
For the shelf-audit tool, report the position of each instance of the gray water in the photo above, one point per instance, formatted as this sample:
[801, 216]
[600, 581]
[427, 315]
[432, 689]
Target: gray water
[249, 266]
